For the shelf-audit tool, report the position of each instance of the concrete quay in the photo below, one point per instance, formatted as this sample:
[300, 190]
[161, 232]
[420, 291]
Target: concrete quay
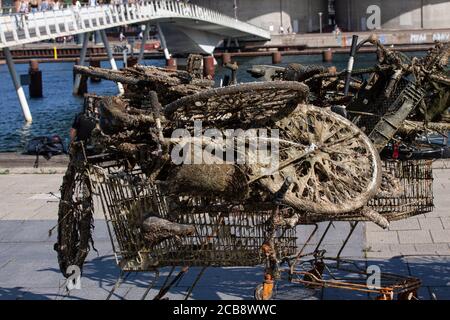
[411, 39]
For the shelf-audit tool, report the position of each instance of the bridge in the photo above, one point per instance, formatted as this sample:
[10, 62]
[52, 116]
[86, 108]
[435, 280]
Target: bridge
[183, 28]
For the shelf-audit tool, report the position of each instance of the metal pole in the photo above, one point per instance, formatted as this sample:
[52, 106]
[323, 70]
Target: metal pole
[310, 17]
[281, 13]
[111, 58]
[144, 41]
[17, 85]
[125, 57]
[421, 14]
[163, 42]
[76, 84]
[349, 15]
[320, 21]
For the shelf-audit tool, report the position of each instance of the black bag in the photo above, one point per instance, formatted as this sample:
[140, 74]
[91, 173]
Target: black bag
[46, 146]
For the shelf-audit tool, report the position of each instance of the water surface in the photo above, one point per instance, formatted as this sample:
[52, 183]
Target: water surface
[53, 113]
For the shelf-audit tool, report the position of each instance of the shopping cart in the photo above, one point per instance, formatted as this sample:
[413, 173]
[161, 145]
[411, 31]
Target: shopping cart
[224, 236]
[314, 269]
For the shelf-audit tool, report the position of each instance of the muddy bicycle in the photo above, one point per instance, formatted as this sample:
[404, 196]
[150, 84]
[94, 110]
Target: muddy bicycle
[220, 214]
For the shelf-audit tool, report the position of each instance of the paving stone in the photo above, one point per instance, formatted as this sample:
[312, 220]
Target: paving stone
[440, 165]
[441, 211]
[440, 236]
[291, 291]
[445, 222]
[432, 248]
[379, 254]
[377, 248]
[431, 270]
[308, 248]
[407, 224]
[57, 293]
[212, 292]
[100, 232]
[396, 265]
[33, 231]
[440, 293]
[372, 227]
[336, 234]
[351, 250]
[375, 251]
[40, 183]
[402, 249]
[340, 294]
[13, 293]
[31, 274]
[416, 236]
[244, 276]
[424, 293]
[381, 237]
[303, 233]
[430, 223]
[24, 210]
[49, 211]
[8, 228]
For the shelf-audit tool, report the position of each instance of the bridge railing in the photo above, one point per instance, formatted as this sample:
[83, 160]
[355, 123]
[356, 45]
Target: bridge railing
[16, 29]
[7, 10]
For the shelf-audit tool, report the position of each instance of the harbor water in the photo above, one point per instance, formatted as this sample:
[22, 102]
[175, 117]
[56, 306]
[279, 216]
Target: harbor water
[53, 114]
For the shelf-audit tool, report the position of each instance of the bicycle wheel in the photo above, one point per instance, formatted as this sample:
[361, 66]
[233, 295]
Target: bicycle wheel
[75, 217]
[239, 106]
[333, 164]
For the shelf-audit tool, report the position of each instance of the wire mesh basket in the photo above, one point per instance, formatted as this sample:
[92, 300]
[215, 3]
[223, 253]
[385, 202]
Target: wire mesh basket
[318, 271]
[375, 111]
[231, 237]
[382, 119]
[416, 196]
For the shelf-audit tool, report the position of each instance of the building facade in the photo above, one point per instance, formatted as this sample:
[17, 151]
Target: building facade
[279, 16]
[302, 16]
[352, 15]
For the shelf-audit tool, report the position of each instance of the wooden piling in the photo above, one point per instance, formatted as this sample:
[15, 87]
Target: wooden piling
[171, 64]
[83, 88]
[276, 57]
[208, 67]
[226, 58]
[95, 63]
[132, 61]
[35, 87]
[327, 55]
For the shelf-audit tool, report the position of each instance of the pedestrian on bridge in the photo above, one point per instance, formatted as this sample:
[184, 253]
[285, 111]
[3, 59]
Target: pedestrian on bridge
[44, 5]
[24, 6]
[34, 6]
[56, 5]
